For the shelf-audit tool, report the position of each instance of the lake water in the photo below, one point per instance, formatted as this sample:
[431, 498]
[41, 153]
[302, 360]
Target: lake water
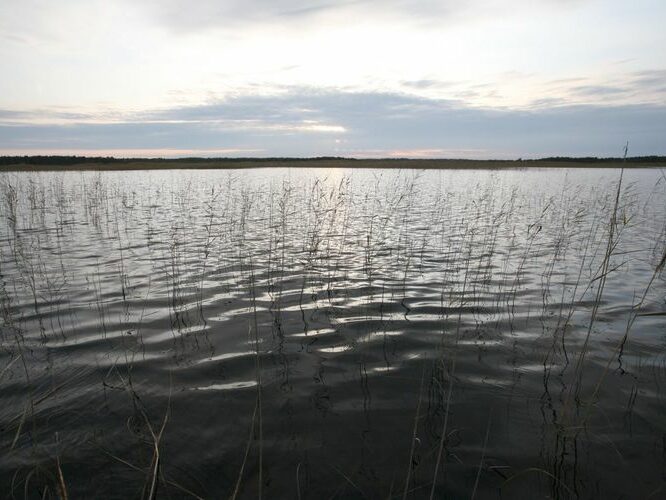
[297, 333]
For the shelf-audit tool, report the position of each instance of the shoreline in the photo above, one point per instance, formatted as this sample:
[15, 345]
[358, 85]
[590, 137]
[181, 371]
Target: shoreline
[94, 164]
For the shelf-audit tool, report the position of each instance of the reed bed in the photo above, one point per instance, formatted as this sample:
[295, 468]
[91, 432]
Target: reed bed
[344, 333]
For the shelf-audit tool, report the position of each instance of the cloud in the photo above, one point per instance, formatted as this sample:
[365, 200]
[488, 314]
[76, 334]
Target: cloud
[428, 83]
[649, 81]
[32, 21]
[305, 122]
[185, 15]
[641, 87]
[650, 77]
[137, 153]
[599, 90]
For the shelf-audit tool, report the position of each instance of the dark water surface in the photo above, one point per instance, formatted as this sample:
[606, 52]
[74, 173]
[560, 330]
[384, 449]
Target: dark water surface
[333, 334]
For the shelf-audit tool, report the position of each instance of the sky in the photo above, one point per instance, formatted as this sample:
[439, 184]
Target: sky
[355, 78]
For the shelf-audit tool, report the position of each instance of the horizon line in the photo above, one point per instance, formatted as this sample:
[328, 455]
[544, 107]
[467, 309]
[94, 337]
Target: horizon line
[322, 157]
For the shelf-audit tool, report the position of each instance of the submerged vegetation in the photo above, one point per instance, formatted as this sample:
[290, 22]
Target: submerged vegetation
[335, 333]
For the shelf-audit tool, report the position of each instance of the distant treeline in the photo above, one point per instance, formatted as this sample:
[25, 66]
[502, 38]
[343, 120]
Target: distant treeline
[77, 160]
[594, 159]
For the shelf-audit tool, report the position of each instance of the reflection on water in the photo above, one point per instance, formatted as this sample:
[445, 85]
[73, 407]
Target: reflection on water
[316, 334]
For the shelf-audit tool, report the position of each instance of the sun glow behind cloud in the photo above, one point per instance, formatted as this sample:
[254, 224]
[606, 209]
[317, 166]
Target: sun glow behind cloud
[116, 62]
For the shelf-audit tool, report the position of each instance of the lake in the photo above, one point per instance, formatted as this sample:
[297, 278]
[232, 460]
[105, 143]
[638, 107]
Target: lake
[333, 333]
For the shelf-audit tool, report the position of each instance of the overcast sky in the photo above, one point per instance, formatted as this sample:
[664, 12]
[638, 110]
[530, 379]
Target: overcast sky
[363, 78]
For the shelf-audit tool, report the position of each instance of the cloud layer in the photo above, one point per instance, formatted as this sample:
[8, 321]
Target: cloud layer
[307, 122]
